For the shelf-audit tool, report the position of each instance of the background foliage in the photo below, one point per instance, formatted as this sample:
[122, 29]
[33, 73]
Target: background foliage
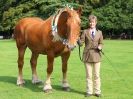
[115, 16]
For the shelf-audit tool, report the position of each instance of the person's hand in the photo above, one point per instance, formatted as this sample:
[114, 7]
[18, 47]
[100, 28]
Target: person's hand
[99, 48]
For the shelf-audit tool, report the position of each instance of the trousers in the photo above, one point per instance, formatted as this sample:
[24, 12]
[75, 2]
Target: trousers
[93, 82]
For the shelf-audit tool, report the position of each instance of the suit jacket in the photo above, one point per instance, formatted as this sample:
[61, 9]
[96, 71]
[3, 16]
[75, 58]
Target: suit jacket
[90, 53]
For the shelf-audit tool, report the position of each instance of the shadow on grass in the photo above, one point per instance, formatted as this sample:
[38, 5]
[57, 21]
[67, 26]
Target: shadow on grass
[59, 88]
[28, 84]
[33, 87]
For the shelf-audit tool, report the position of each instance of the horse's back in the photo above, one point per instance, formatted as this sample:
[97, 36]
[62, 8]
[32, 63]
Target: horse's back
[29, 20]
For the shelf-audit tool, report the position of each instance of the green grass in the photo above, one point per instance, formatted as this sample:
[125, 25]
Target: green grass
[114, 85]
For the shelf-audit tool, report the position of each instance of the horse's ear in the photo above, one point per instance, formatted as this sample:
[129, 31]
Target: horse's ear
[79, 11]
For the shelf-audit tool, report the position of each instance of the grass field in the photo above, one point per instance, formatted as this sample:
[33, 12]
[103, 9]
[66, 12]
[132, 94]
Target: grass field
[116, 81]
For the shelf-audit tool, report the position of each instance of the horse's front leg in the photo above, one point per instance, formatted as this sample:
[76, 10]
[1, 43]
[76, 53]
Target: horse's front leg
[33, 63]
[65, 84]
[50, 60]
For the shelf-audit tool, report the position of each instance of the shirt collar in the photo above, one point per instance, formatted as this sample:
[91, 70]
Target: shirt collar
[94, 30]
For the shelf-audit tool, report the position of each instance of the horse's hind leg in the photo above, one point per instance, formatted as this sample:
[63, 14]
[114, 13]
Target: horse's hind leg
[65, 58]
[21, 51]
[33, 63]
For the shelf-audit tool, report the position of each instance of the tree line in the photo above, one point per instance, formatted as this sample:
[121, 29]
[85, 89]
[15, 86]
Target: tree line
[115, 17]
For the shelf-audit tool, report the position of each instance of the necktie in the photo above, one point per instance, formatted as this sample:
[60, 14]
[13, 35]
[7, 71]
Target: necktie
[92, 34]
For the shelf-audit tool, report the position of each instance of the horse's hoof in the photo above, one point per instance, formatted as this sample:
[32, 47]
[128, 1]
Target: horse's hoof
[48, 91]
[47, 88]
[37, 82]
[66, 89]
[21, 85]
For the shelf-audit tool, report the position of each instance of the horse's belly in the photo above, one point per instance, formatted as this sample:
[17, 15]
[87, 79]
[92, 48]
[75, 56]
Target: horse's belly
[36, 48]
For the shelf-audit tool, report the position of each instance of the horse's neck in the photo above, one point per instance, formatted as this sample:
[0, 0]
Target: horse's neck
[47, 23]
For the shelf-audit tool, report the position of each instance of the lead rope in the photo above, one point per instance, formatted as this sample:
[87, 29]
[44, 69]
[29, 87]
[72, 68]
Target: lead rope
[79, 53]
[115, 70]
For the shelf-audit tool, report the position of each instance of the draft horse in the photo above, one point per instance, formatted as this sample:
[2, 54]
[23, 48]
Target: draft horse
[55, 36]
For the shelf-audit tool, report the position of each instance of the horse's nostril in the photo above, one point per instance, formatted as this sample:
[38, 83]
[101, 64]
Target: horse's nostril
[68, 46]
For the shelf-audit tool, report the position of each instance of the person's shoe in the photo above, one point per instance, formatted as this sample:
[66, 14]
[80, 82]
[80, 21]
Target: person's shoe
[97, 95]
[88, 95]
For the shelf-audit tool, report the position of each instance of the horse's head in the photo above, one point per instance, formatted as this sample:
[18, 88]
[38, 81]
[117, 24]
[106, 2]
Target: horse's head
[73, 27]
[68, 26]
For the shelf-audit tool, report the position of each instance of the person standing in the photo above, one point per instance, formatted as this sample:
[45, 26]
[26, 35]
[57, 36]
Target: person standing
[93, 39]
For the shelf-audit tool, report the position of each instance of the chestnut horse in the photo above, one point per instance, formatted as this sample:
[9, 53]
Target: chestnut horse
[55, 36]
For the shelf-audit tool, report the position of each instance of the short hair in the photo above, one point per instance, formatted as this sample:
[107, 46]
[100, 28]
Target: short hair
[92, 17]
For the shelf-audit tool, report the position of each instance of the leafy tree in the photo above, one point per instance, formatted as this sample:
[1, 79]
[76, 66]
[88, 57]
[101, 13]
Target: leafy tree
[113, 15]
[116, 16]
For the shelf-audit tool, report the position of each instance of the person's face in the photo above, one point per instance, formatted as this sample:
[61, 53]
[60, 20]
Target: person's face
[92, 23]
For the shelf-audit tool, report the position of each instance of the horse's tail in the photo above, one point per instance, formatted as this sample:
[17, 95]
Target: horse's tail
[17, 31]
[14, 33]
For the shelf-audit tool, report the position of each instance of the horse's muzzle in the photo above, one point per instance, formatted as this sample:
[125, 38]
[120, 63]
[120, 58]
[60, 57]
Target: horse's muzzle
[71, 47]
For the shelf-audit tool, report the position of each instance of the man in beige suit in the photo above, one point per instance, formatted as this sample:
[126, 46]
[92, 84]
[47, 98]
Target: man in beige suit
[93, 40]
